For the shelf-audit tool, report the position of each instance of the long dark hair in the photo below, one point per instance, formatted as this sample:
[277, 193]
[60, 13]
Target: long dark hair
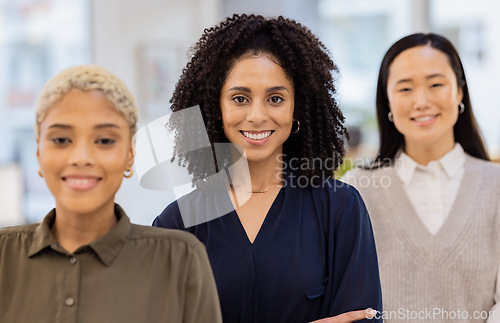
[466, 130]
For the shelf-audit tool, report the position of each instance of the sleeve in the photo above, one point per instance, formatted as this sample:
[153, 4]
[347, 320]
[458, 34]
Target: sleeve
[202, 300]
[354, 266]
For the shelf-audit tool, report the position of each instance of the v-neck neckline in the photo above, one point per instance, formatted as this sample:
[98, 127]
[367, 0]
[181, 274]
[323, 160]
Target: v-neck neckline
[411, 227]
[267, 218]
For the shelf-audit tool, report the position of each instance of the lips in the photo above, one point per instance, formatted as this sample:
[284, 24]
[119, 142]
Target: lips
[81, 183]
[424, 120]
[257, 135]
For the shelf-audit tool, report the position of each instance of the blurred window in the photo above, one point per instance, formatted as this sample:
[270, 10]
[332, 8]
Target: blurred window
[38, 38]
[359, 32]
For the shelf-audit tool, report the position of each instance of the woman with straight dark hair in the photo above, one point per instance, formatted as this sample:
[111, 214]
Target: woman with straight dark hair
[431, 191]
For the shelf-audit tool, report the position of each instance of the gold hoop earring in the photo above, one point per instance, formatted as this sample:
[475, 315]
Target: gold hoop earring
[130, 173]
[40, 173]
[298, 127]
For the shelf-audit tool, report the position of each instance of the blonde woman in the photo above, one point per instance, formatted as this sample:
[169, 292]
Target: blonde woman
[86, 262]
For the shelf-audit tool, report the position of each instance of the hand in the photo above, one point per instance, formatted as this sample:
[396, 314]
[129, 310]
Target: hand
[349, 317]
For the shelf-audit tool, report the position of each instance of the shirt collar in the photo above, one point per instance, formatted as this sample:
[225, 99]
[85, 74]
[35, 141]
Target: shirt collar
[43, 237]
[451, 163]
[405, 167]
[106, 247]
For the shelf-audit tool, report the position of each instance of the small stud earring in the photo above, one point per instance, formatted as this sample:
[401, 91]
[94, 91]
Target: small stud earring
[461, 108]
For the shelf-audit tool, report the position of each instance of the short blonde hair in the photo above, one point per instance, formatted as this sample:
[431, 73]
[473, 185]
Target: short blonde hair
[87, 78]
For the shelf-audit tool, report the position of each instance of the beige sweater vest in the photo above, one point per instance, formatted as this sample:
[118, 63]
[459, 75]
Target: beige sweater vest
[449, 277]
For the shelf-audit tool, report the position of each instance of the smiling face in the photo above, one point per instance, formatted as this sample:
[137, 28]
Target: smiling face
[424, 99]
[257, 102]
[83, 151]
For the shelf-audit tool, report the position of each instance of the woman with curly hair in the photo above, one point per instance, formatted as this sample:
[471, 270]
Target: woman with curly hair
[299, 246]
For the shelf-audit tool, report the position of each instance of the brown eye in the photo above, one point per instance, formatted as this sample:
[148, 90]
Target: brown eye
[105, 141]
[239, 99]
[60, 141]
[276, 99]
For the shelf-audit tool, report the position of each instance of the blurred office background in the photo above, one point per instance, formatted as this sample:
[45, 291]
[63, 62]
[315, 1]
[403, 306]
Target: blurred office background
[146, 42]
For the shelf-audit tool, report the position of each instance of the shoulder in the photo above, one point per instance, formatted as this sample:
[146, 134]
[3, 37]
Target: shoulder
[323, 186]
[18, 231]
[338, 195]
[343, 204]
[370, 180]
[169, 238]
[171, 217]
[17, 240]
[486, 172]
[198, 207]
[482, 165]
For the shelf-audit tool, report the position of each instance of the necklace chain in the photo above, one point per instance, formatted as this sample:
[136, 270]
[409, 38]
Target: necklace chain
[262, 191]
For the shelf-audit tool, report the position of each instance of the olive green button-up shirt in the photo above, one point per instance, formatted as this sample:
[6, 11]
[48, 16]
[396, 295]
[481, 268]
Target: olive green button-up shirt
[132, 274]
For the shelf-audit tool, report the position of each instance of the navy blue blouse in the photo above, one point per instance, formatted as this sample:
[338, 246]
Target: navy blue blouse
[314, 256]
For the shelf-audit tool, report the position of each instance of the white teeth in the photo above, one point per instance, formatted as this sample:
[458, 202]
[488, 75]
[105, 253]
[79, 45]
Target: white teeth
[80, 181]
[255, 136]
[424, 118]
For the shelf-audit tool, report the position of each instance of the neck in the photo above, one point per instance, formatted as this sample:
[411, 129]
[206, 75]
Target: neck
[263, 175]
[424, 154]
[73, 230]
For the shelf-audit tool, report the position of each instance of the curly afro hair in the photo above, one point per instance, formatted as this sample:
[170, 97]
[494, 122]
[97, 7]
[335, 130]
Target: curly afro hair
[305, 60]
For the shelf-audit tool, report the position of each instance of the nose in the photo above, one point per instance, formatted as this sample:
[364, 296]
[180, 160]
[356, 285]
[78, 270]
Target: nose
[421, 100]
[257, 113]
[81, 155]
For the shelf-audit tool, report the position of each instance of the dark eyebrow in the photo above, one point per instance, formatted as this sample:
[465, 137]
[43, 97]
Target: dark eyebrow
[277, 88]
[245, 89]
[428, 77]
[240, 88]
[99, 126]
[435, 75]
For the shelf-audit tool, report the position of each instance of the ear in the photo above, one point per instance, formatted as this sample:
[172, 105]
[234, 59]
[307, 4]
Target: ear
[131, 154]
[38, 150]
[460, 95]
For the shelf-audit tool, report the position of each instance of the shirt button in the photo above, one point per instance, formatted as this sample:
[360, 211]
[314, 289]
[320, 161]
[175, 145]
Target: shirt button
[69, 301]
[72, 260]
